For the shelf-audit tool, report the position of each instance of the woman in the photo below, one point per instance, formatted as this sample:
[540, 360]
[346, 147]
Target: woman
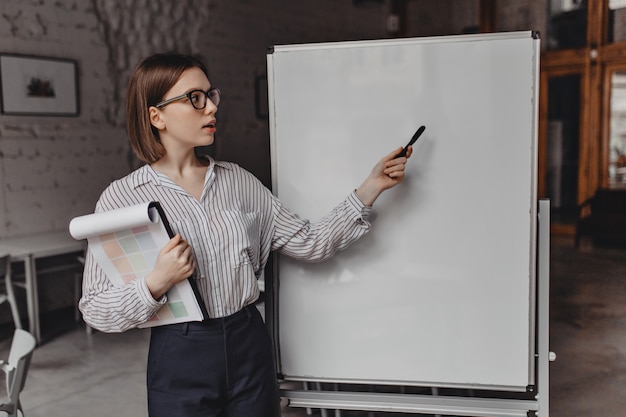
[226, 224]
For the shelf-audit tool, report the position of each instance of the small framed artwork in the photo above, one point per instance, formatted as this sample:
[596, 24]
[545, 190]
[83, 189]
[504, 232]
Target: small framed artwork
[38, 86]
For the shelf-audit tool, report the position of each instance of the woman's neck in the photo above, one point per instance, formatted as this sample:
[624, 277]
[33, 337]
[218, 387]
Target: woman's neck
[188, 173]
[180, 165]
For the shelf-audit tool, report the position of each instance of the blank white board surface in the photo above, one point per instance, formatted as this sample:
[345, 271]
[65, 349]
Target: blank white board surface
[441, 290]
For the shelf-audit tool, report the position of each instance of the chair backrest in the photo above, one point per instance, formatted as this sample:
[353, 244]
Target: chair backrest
[21, 352]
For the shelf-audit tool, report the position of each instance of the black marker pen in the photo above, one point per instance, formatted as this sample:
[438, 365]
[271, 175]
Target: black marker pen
[412, 141]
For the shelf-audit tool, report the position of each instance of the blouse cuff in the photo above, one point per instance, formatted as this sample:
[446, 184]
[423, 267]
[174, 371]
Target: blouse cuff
[361, 210]
[146, 296]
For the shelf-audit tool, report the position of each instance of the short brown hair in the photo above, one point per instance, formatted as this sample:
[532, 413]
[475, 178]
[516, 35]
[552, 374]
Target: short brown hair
[152, 78]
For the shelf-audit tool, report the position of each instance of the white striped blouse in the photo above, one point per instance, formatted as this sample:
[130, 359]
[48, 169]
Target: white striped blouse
[232, 229]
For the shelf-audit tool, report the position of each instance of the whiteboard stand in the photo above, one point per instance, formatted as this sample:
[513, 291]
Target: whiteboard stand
[458, 405]
[543, 307]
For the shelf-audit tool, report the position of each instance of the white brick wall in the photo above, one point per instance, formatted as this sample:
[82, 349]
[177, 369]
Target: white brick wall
[48, 165]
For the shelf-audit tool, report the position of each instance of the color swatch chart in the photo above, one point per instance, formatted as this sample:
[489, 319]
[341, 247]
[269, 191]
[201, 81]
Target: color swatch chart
[133, 254]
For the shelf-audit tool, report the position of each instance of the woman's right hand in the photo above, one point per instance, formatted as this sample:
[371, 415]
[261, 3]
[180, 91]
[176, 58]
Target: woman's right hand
[174, 264]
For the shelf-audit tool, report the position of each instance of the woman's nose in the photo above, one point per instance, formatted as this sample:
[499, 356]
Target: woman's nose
[210, 107]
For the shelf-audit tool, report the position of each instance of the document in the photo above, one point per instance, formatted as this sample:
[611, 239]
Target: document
[125, 242]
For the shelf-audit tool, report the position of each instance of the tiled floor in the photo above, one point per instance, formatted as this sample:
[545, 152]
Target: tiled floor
[75, 374]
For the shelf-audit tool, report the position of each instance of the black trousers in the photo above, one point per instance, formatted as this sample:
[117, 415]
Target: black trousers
[218, 367]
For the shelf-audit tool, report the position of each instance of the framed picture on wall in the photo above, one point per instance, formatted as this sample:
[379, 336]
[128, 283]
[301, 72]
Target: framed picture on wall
[42, 86]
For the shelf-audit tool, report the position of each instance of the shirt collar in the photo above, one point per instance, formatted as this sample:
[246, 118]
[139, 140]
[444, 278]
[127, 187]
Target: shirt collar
[146, 174]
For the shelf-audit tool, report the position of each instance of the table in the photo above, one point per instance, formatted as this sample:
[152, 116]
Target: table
[28, 249]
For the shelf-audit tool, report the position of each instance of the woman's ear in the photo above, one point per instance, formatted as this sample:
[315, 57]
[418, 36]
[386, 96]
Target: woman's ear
[155, 118]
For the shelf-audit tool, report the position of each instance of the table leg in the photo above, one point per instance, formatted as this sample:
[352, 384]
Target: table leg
[32, 297]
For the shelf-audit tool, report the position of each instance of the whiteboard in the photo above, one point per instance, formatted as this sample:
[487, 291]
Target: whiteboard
[441, 291]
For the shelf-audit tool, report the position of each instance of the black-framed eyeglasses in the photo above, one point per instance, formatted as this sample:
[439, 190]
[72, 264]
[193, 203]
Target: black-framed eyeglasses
[197, 98]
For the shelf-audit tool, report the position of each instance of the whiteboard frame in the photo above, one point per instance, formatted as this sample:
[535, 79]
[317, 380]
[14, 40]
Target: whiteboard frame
[272, 305]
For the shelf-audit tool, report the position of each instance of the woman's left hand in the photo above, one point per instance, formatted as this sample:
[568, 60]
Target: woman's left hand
[387, 173]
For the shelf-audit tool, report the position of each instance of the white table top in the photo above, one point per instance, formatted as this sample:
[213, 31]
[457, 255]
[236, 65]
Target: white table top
[41, 245]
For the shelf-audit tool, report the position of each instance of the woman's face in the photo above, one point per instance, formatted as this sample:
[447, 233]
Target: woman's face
[179, 123]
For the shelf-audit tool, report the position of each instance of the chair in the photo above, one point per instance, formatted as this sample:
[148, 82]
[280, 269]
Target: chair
[16, 370]
[9, 294]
